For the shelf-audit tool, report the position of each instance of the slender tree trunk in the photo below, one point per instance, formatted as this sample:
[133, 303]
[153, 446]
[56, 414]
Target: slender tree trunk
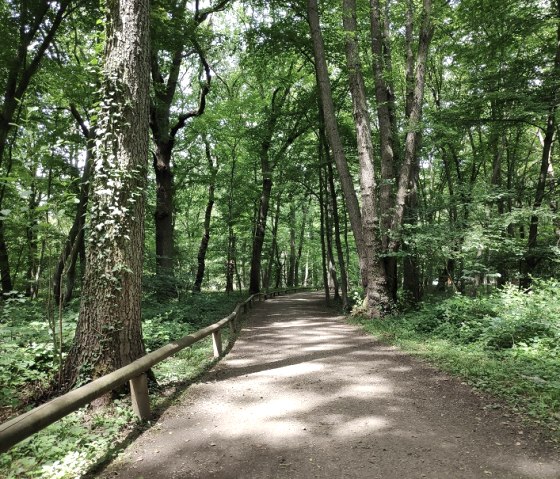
[300, 243]
[4, 262]
[207, 217]
[231, 267]
[31, 233]
[292, 258]
[531, 258]
[322, 232]
[108, 334]
[331, 190]
[273, 245]
[328, 214]
[74, 243]
[331, 129]
[413, 135]
[260, 229]
[386, 133]
[411, 268]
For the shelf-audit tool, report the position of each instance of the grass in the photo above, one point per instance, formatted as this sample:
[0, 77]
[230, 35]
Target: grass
[73, 445]
[507, 344]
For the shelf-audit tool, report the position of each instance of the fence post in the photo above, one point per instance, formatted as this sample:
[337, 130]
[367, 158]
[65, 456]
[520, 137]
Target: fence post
[140, 397]
[217, 342]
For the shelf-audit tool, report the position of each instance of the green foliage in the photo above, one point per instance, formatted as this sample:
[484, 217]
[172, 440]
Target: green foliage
[507, 343]
[68, 448]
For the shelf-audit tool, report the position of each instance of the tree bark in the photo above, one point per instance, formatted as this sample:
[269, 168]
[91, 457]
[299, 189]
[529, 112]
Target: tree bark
[108, 334]
[375, 281]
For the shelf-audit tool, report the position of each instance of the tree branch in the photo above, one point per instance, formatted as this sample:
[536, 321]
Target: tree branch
[201, 15]
[79, 120]
[181, 121]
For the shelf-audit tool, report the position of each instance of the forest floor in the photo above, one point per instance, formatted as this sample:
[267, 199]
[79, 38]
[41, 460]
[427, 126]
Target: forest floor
[304, 394]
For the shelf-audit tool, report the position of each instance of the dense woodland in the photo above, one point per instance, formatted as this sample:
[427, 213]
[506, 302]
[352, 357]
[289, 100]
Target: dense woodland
[388, 152]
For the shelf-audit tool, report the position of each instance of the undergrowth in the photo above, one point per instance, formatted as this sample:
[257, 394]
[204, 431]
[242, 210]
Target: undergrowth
[28, 359]
[507, 343]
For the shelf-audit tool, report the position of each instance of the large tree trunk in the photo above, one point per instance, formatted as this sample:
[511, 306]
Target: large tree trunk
[108, 334]
[375, 281]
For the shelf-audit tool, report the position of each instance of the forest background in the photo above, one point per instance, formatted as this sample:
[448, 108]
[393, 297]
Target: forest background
[398, 155]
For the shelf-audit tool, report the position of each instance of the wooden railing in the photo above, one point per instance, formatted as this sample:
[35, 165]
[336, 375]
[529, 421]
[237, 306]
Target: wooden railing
[27, 424]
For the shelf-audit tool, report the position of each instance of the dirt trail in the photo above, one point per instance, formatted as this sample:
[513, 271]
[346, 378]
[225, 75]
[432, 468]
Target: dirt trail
[305, 395]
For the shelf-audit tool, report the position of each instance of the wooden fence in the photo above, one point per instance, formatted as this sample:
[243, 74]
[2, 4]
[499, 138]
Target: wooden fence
[27, 424]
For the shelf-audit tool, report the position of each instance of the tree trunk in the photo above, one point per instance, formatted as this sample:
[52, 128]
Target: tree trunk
[531, 258]
[73, 245]
[4, 262]
[375, 281]
[273, 245]
[331, 129]
[207, 217]
[386, 133]
[292, 258]
[413, 134]
[331, 190]
[324, 261]
[258, 240]
[411, 269]
[300, 243]
[333, 279]
[278, 99]
[108, 334]
[163, 216]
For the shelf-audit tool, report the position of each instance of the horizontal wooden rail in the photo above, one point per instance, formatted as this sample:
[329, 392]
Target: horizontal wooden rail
[27, 424]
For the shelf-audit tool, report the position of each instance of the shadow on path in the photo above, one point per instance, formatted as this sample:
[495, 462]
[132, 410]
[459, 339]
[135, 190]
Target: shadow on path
[303, 394]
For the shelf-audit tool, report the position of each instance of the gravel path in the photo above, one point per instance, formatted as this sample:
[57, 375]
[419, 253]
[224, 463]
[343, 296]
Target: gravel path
[304, 395]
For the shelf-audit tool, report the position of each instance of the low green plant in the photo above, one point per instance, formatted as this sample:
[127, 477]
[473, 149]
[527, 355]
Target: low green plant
[507, 343]
[69, 447]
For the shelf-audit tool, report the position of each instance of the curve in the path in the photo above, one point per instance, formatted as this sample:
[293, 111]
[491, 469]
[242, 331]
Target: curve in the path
[304, 394]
